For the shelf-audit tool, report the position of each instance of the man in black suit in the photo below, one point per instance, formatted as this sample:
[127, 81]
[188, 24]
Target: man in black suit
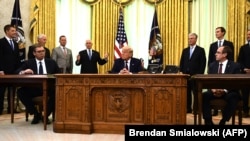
[89, 58]
[231, 96]
[219, 33]
[26, 94]
[41, 41]
[244, 60]
[127, 64]
[193, 61]
[9, 59]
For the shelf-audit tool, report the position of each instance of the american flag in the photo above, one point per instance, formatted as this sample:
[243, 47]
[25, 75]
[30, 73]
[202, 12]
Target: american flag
[121, 38]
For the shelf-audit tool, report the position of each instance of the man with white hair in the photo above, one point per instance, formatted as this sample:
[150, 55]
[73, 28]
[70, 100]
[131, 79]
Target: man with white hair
[41, 41]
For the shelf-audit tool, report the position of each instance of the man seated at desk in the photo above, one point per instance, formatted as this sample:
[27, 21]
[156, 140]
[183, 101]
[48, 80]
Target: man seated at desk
[37, 65]
[127, 64]
[221, 65]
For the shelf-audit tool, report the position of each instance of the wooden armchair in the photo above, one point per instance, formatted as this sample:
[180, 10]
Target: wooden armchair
[220, 104]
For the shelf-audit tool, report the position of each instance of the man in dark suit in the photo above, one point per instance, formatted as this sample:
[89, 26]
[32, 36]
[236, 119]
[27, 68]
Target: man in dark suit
[219, 33]
[193, 61]
[9, 59]
[41, 41]
[231, 96]
[89, 58]
[127, 64]
[244, 60]
[26, 94]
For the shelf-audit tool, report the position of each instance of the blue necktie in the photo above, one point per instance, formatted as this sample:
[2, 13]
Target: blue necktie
[40, 68]
[11, 44]
[89, 54]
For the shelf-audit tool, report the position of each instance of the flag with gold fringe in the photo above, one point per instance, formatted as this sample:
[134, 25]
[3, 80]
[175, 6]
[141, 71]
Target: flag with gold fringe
[33, 16]
[16, 20]
[155, 44]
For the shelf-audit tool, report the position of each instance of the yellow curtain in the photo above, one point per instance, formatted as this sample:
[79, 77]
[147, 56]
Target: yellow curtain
[104, 25]
[173, 23]
[237, 23]
[42, 21]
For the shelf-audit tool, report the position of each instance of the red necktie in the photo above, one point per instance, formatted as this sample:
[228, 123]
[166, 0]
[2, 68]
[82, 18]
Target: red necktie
[126, 64]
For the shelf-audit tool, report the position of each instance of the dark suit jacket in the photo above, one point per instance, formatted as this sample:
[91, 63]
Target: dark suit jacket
[135, 65]
[31, 49]
[51, 66]
[9, 58]
[231, 68]
[90, 66]
[194, 65]
[213, 48]
[244, 56]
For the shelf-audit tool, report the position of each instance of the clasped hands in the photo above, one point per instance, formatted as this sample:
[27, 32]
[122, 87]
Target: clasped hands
[124, 71]
[218, 92]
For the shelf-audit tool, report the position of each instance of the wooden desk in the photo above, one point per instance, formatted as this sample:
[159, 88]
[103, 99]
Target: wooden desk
[209, 81]
[27, 80]
[104, 103]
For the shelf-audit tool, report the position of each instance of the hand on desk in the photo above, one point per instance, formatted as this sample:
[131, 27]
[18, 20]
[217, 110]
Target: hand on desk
[1, 72]
[27, 71]
[247, 70]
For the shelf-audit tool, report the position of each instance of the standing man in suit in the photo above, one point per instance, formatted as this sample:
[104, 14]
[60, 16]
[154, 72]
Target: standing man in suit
[193, 61]
[41, 41]
[127, 64]
[89, 58]
[26, 94]
[219, 33]
[63, 56]
[244, 60]
[9, 60]
[230, 96]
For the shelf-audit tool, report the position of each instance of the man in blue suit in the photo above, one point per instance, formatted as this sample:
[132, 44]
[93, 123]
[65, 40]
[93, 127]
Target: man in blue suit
[193, 61]
[89, 58]
[127, 64]
[230, 96]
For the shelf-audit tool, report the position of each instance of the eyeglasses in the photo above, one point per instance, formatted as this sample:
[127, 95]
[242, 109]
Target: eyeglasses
[219, 52]
[40, 51]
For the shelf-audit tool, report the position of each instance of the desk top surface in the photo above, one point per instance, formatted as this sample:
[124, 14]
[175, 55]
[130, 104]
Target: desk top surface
[221, 76]
[16, 76]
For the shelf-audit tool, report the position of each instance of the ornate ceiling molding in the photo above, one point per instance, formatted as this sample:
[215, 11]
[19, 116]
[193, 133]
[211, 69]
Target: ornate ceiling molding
[91, 2]
[154, 1]
[122, 2]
